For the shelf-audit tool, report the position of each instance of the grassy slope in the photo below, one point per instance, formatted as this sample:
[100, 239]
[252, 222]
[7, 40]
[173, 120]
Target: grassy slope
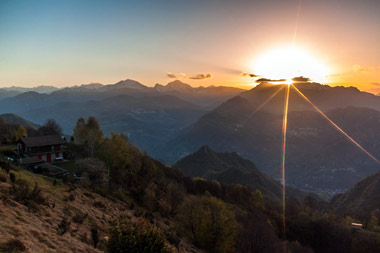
[37, 230]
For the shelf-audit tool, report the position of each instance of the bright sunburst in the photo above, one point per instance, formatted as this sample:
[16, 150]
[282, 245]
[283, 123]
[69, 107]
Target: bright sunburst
[288, 62]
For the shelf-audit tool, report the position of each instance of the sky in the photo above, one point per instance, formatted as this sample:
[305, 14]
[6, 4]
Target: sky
[73, 42]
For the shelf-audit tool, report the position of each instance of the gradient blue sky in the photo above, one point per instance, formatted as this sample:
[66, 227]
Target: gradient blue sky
[66, 43]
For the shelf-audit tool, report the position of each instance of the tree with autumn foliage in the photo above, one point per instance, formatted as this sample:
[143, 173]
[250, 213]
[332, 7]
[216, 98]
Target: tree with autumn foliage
[88, 134]
[209, 223]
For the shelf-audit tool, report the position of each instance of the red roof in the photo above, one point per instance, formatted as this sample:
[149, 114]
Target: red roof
[40, 141]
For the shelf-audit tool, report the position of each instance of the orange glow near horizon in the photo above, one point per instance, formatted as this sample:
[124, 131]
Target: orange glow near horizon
[288, 62]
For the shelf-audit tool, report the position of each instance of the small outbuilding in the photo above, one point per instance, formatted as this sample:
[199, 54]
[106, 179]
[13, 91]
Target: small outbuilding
[357, 226]
[50, 170]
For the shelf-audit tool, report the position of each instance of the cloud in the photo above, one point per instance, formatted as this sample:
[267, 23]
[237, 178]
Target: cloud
[266, 80]
[359, 69]
[173, 75]
[301, 79]
[376, 84]
[201, 76]
[249, 75]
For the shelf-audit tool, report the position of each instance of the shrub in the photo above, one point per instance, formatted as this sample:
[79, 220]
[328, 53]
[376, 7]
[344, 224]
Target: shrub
[98, 203]
[12, 245]
[12, 177]
[22, 193]
[209, 223]
[79, 217]
[94, 236]
[3, 177]
[141, 237]
[63, 227]
[6, 166]
[70, 197]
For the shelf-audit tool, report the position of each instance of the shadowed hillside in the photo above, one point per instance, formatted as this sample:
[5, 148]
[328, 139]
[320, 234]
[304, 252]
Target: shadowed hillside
[319, 157]
[230, 168]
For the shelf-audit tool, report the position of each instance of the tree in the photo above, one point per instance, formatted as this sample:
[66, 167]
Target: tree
[114, 153]
[174, 197]
[94, 169]
[19, 133]
[95, 135]
[131, 237]
[80, 131]
[209, 223]
[3, 130]
[88, 134]
[50, 127]
[258, 200]
[256, 235]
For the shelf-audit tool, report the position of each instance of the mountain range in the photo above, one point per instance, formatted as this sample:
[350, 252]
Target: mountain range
[148, 115]
[171, 121]
[319, 158]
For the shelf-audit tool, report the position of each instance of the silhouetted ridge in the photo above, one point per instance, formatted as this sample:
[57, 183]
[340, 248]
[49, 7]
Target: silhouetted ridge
[230, 168]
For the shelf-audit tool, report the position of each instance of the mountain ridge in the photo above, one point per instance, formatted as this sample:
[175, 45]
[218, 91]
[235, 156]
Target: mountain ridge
[230, 168]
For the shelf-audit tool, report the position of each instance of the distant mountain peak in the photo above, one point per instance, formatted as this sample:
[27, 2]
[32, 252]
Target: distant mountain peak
[178, 84]
[205, 149]
[175, 86]
[128, 83]
[92, 85]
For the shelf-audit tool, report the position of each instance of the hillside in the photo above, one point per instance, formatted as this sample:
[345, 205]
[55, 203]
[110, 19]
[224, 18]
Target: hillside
[123, 192]
[65, 222]
[230, 168]
[14, 119]
[147, 120]
[362, 196]
[319, 158]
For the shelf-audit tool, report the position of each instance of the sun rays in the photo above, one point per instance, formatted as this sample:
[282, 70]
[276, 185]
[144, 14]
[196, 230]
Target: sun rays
[287, 101]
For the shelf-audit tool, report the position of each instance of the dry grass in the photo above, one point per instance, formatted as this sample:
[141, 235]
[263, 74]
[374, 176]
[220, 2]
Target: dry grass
[40, 229]
[37, 230]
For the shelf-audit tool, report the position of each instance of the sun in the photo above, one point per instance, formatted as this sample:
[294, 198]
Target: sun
[288, 62]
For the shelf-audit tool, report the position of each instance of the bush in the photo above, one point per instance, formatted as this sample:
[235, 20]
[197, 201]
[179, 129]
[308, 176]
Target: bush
[22, 193]
[63, 227]
[3, 177]
[99, 204]
[12, 177]
[94, 236]
[141, 237]
[6, 166]
[79, 217]
[70, 197]
[12, 245]
[209, 222]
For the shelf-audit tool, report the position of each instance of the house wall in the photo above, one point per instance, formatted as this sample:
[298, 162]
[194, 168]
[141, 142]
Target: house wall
[50, 157]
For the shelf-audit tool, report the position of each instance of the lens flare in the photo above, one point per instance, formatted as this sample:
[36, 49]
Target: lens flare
[336, 126]
[284, 127]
